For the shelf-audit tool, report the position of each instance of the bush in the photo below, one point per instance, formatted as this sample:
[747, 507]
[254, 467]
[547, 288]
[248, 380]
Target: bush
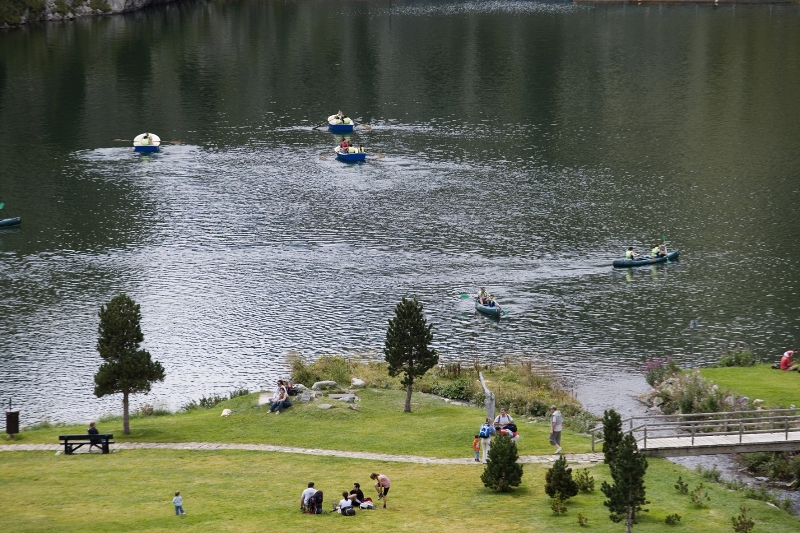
[699, 496]
[709, 474]
[235, 393]
[742, 523]
[558, 505]
[458, 389]
[502, 471]
[737, 357]
[326, 368]
[656, 370]
[582, 520]
[681, 487]
[584, 480]
[672, 519]
[558, 480]
[147, 409]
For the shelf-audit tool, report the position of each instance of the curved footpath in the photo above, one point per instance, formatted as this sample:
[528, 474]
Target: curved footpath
[579, 458]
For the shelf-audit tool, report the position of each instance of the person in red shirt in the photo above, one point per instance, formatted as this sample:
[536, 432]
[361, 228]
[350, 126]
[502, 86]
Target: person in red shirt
[786, 360]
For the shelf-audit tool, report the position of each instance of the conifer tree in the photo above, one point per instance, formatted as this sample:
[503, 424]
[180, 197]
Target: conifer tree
[612, 434]
[558, 480]
[627, 495]
[127, 368]
[502, 470]
[407, 347]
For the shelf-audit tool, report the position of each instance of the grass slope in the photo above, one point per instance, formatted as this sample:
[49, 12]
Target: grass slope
[254, 491]
[433, 428]
[775, 387]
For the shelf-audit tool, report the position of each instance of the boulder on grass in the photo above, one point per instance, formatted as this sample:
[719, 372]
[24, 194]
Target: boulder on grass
[324, 406]
[325, 385]
[357, 383]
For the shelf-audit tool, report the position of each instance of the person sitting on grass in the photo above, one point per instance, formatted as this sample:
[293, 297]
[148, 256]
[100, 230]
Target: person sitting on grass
[344, 503]
[305, 498]
[282, 402]
[787, 360]
[356, 495]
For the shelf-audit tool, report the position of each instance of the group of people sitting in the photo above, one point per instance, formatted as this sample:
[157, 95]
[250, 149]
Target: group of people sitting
[658, 250]
[486, 299]
[311, 499]
[787, 361]
[280, 400]
[341, 118]
[348, 148]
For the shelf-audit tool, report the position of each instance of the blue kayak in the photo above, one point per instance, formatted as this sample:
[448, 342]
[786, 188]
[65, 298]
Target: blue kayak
[628, 263]
[11, 221]
[495, 311]
[350, 158]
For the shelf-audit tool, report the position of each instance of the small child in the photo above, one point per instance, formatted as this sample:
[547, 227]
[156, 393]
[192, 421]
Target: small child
[476, 445]
[178, 501]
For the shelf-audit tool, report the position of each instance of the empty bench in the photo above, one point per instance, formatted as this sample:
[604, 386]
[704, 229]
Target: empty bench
[73, 442]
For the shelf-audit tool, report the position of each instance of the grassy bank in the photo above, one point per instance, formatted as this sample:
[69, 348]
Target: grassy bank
[434, 428]
[253, 491]
[775, 387]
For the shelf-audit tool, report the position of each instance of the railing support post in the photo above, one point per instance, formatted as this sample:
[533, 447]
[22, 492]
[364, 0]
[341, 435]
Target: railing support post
[741, 430]
[645, 438]
[694, 428]
[786, 426]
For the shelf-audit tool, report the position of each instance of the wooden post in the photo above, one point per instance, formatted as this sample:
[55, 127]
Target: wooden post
[488, 402]
[645, 438]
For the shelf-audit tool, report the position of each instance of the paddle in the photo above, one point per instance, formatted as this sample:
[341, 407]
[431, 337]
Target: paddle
[159, 142]
[363, 125]
[664, 240]
[379, 156]
[465, 296]
[319, 125]
[2, 205]
[324, 157]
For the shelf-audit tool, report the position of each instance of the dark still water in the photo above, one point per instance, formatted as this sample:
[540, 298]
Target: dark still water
[526, 145]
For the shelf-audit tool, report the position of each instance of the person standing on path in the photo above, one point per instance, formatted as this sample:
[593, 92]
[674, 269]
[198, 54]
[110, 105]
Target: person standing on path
[485, 433]
[556, 424]
[382, 486]
[476, 446]
[178, 501]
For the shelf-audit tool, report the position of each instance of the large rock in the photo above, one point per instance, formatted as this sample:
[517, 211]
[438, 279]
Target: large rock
[325, 385]
[349, 398]
[357, 383]
[324, 406]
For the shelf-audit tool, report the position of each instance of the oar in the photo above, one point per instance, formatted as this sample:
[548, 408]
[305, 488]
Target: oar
[2, 205]
[379, 156]
[363, 125]
[159, 142]
[320, 124]
[324, 157]
[664, 240]
[464, 296]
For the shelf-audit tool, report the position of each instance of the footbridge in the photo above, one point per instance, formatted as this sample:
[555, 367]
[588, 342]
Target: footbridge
[767, 430]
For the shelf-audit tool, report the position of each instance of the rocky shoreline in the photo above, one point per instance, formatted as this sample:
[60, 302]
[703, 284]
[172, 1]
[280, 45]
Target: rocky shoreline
[20, 12]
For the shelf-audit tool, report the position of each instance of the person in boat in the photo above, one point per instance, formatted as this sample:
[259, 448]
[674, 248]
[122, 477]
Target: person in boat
[146, 140]
[345, 145]
[346, 120]
[657, 251]
[360, 148]
[631, 255]
[483, 296]
[490, 301]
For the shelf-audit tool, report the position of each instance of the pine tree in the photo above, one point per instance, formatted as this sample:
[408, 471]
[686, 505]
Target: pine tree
[407, 347]
[612, 434]
[627, 495]
[502, 469]
[558, 480]
[127, 368]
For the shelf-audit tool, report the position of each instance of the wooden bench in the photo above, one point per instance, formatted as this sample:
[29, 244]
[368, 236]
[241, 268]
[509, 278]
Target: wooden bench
[73, 442]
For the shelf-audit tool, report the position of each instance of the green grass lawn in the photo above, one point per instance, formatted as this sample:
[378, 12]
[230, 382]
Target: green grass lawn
[257, 491]
[775, 387]
[433, 428]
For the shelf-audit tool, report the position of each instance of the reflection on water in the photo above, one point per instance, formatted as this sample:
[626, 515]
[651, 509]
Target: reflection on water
[526, 145]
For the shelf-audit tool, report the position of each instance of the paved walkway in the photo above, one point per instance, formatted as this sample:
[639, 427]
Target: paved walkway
[579, 458]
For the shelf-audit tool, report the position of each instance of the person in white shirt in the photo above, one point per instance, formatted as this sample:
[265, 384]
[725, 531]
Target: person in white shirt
[556, 424]
[502, 420]
[306, 496]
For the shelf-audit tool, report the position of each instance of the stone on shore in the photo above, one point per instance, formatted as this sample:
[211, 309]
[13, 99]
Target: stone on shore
[324, 406]
[357, 383]
[325, 385]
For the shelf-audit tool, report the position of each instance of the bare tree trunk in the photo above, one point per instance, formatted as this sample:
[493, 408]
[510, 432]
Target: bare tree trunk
[126, 424]
[408, 399]
[629, 521]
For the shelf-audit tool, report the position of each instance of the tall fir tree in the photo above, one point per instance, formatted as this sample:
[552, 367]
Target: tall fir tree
[627, 495]
[407, 348]
[502, 470]
[558, 480]
[612, 434]
[127, 368]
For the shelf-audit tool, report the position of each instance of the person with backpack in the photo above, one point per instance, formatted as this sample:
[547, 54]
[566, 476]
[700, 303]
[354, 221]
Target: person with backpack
[345, 506]
[305, 498]
[485, 433]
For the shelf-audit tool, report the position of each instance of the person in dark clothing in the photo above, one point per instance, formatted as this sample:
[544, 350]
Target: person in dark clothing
[93, 431]
[356, 495]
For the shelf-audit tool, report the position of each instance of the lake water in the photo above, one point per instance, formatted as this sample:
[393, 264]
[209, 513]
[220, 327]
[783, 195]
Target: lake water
[526, 146]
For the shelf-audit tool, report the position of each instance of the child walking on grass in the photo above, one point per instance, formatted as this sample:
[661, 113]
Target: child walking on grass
[476, 446]
[178, 501]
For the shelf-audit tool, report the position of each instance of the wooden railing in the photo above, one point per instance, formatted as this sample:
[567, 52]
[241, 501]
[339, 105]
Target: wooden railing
[739, 423]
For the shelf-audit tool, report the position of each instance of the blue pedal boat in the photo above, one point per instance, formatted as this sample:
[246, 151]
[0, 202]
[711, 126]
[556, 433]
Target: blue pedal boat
[349, 158]
[150, 146]
[333, 127]
[628, 263]
[10, 222]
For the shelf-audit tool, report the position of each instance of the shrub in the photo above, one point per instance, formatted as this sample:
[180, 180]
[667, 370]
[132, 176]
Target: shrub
[681, 487]
[147, 409]
[326, 368]
[582, 422]
[584, 480]
[582, 520]
[458, 389]
[672, 519]
[558, 505]
[558, 480]
[656, 370]
[699, 496]
[235, 393]
[502, 470]
[737, 357]
[742, 523]
[709, 474]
